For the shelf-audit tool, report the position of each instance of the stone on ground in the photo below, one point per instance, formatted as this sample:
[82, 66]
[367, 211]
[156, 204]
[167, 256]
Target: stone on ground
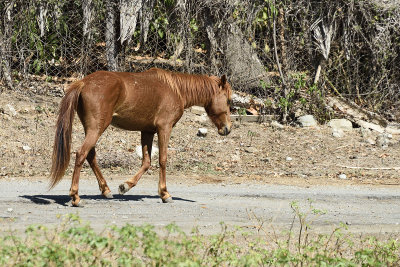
[202, 132]
[338, 133]
[342, 124]
[154, 151]
[307, 121]
[277, 125]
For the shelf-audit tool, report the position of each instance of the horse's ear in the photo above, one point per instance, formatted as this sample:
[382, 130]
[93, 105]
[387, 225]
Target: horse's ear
[223, 80]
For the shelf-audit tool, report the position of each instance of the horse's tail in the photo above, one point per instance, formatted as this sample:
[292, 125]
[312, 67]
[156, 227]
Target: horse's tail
[62, 140]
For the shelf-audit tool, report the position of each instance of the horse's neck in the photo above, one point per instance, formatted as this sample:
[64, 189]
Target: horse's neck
[189, 102]
[196, 94]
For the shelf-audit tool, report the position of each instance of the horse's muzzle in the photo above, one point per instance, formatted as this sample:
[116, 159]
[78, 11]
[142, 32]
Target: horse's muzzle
[224, 131]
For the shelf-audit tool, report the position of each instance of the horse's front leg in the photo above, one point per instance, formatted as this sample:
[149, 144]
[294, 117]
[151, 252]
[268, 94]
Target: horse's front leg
[163, 138]
[147, 142]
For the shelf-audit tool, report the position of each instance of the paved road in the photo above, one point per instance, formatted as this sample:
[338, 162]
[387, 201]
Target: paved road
[364, 209]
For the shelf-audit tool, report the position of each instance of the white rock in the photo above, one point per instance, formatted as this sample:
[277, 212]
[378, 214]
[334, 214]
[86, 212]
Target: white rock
[370, 141]
[26, 148]
[202, 132]
[289, 159]
[277, 125]
[154, 151]
[365, 132]
[307, 121]
[338, 133]
[342, 176]
[343, 124]
[10, 210]
[12, 110]
[201, 119]
[383, 140]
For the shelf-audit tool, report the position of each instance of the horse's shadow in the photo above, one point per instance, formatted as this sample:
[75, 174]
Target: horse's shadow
[65, 200]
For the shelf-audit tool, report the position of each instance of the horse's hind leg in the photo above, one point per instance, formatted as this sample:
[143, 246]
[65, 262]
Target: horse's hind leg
[147, 142]
[163, 139]
[89, 142]
[91, 158]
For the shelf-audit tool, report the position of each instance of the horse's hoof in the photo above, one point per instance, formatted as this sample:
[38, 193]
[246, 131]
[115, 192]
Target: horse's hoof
[108, 195]
[168, 200]
[123, 188]
[78, 203]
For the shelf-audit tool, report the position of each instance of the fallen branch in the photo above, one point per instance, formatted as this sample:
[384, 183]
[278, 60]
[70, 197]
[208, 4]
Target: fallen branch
[372, 169]
[372, 126]
[354, 112]
[360, 116]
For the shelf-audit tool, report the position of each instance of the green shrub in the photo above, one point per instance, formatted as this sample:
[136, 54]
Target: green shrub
[73, 242]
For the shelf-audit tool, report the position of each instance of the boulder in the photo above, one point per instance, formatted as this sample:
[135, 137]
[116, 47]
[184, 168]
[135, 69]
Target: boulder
[341, 124]
[307, 121]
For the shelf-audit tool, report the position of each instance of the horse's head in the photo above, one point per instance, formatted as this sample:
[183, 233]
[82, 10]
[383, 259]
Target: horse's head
[219, 107]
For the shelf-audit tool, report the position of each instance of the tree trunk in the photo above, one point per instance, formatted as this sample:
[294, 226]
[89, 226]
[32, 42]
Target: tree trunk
[228, 49]
[318, 72]
[87, 6]
[146, 14]
[211, 47]
[111, 44]
[42, 18]
[129, 12]
[5, 46]
[281, 25]
[243, 65]
[285, 89]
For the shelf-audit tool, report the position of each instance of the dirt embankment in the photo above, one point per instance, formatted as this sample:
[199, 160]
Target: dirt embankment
[259, 152]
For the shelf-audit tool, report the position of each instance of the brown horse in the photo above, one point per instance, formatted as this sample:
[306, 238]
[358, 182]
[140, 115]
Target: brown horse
[151, 102]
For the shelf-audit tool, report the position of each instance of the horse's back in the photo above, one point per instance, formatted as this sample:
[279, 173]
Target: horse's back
[135, 101]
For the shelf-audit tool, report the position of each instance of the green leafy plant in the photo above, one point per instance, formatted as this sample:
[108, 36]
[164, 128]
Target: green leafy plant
[74, 242]
[250, 135]
[242, 112]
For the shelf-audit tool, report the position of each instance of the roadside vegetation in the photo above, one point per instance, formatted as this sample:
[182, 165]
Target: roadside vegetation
[76, 243]
[292, 54]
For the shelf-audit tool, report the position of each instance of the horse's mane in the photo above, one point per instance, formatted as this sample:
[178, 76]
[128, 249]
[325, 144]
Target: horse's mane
[193, 88]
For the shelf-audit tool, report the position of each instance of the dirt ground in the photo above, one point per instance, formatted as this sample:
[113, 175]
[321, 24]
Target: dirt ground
[253, 154]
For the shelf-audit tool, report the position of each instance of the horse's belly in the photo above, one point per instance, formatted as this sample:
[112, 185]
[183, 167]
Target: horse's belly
[132, 123]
